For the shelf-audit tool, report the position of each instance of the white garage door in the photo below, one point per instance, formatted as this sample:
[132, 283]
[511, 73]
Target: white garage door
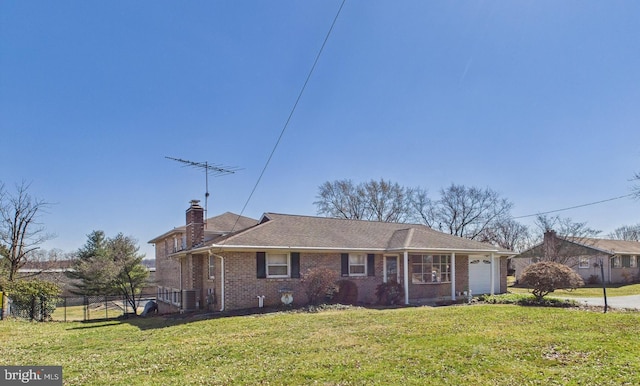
[480, 275]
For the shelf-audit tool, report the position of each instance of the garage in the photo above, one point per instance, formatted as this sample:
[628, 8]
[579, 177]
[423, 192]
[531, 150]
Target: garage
[480, 275]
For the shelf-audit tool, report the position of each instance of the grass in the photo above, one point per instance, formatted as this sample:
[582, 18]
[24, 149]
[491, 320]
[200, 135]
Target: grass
[457, 345]
[588, 291]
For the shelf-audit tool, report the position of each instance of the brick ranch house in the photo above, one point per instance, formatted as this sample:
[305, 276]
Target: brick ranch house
[233, 262]
[584, 254]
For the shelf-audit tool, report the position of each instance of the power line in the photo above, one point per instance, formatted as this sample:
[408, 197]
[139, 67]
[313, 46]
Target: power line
[293, 109]
[575, 207]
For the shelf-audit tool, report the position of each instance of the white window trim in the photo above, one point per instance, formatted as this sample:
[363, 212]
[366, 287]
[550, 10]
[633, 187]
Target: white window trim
[175, 296]
[358, 265]
[420, 282]
[386, 277]
[581, 260]
[634, 262]
[617, 262]
[267, 265]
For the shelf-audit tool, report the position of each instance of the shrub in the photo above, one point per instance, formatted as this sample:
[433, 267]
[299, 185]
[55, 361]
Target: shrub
[627, 276]
[32, 299]
[319, 284]
[347, 292]
[547, 276]
[390, 293]
[593, 279]
[527, 300]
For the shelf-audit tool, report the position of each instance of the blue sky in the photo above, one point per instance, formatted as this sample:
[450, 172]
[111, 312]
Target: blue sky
[537, 100]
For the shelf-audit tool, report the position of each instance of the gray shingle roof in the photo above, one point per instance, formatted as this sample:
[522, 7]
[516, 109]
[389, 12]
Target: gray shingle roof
[613, 247]
[324, 233]
[221, 224]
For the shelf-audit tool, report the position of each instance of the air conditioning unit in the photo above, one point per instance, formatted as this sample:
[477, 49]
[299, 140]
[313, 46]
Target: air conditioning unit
[189, 300]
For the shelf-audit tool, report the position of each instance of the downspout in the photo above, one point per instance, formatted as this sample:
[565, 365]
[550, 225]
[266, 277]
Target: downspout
[221, 281]
[181, 309]
[493, 275]
[406, 278]
[453, 276]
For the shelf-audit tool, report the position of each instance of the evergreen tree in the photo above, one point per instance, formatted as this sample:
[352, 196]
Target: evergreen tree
[110, 266]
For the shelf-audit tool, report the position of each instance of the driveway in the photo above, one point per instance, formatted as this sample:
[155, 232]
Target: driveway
[631, 301]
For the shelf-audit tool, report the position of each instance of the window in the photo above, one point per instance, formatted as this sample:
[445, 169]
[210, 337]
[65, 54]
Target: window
[616, 262]
[430, 269]
[357, 264]
[584, 262]
[277, 265]
[166, 295]
[176, 297]
[633, 263]
[212, 267]
[628, 261]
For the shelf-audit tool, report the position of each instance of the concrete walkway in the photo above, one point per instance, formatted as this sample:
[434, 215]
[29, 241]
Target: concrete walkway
[630, 302]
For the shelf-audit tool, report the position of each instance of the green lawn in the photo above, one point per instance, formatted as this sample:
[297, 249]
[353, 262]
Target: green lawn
[457, 345]
[589, 291]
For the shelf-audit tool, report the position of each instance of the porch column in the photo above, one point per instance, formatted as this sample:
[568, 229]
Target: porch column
[453, 276]
[493, 275]
[406, 277]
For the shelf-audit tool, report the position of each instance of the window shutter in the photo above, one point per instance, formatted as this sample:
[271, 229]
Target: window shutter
[371, 264]
[261, 263]
[345, 264]
[295, 265]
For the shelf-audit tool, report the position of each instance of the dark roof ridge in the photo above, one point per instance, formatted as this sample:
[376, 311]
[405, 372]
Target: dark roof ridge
[347, 219]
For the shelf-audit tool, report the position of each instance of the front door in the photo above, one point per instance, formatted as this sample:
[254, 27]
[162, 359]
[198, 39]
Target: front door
[391, 268]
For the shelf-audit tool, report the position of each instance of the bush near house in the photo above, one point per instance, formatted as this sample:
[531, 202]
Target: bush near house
[319, 285]
[390, 293]
[347, 292]
[547, 276]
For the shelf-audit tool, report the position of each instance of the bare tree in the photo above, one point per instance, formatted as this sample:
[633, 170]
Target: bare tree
[508, 234]
[422, 208]
[386, 201]
[374, 200]
[626, 232]
[636, 188]
[470, 212]
[341, 199]
[20, 231]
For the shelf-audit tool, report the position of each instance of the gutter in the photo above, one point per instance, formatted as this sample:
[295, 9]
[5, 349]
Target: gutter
[334, 249]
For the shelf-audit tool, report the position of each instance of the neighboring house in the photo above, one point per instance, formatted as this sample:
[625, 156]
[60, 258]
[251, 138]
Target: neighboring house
[584, 255]
[56, 272]
[236, 262]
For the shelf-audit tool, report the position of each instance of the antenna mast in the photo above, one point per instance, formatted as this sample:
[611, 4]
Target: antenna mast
[213, 169]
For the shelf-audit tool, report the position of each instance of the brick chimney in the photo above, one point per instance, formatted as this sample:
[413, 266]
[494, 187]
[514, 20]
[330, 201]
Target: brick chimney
[195, 224]
[549, 245]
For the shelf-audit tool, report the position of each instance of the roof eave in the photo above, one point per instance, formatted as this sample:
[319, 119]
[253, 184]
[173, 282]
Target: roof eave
[346, 248]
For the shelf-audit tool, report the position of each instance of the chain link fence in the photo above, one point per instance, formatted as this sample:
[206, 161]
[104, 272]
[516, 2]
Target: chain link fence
[78, 308]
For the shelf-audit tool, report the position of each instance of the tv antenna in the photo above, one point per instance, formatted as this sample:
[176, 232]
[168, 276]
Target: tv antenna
[213, 169]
